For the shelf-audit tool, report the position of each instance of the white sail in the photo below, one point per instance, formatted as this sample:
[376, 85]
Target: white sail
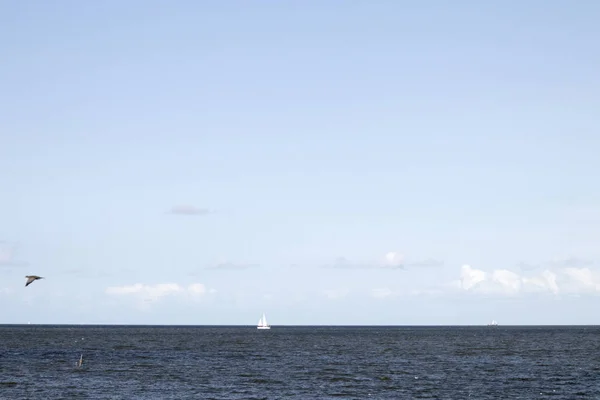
[262, 323]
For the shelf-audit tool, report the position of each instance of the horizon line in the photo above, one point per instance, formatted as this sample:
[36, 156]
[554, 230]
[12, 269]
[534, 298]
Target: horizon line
[298, 325]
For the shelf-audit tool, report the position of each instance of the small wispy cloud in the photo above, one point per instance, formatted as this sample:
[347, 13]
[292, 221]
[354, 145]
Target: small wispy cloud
[572, 262]
[8, 255]
[470, 277]
[229, 266]
[146, 291]
[394, 260]
[569, 262]
[581, 281]
[189, 210]
[344, 263]
[391, 260]
[152, 293]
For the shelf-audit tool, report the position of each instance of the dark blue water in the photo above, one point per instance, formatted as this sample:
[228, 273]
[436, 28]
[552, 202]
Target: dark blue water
[127, 362]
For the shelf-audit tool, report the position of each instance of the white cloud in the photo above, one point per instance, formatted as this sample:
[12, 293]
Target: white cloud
[155, 292]
[197, 289]
[581, 280]
[503, 282]
[344, 263]
[232, 266]
[391, 260]
[470, 277]
[509, 281]
[394, 259]
[146, 291]
[569, 280]
[545, 282]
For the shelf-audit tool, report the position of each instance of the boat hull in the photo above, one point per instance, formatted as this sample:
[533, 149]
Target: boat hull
[263, 327]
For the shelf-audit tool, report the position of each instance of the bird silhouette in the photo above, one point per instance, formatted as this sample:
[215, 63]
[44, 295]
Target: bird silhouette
[31, 278]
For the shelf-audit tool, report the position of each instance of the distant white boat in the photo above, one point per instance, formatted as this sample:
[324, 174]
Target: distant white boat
[493, 323]
[262, 323]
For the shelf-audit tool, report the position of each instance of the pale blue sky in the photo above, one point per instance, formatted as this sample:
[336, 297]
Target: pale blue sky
[463, 132]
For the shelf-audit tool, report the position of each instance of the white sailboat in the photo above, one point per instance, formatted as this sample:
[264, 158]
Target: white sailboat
[262, 323]
[493, 323]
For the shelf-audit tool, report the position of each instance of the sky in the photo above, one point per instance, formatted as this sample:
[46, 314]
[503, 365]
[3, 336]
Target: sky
[323, 162]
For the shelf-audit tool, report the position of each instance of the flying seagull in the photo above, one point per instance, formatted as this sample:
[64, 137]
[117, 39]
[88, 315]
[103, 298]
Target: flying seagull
[31, 278]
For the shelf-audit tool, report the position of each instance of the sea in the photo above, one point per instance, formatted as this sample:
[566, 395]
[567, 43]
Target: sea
[299, 362]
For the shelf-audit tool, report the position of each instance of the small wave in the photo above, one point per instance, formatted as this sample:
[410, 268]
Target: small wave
[110, 370]
[143, 365]
[124, 347]
[260, 380]
[342, 379]
[522, 379]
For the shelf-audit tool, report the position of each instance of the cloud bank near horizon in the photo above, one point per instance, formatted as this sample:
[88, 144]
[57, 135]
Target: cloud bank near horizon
[145, 293]
[391, 260]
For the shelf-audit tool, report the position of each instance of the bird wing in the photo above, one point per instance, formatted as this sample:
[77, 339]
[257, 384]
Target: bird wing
[30, 279]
